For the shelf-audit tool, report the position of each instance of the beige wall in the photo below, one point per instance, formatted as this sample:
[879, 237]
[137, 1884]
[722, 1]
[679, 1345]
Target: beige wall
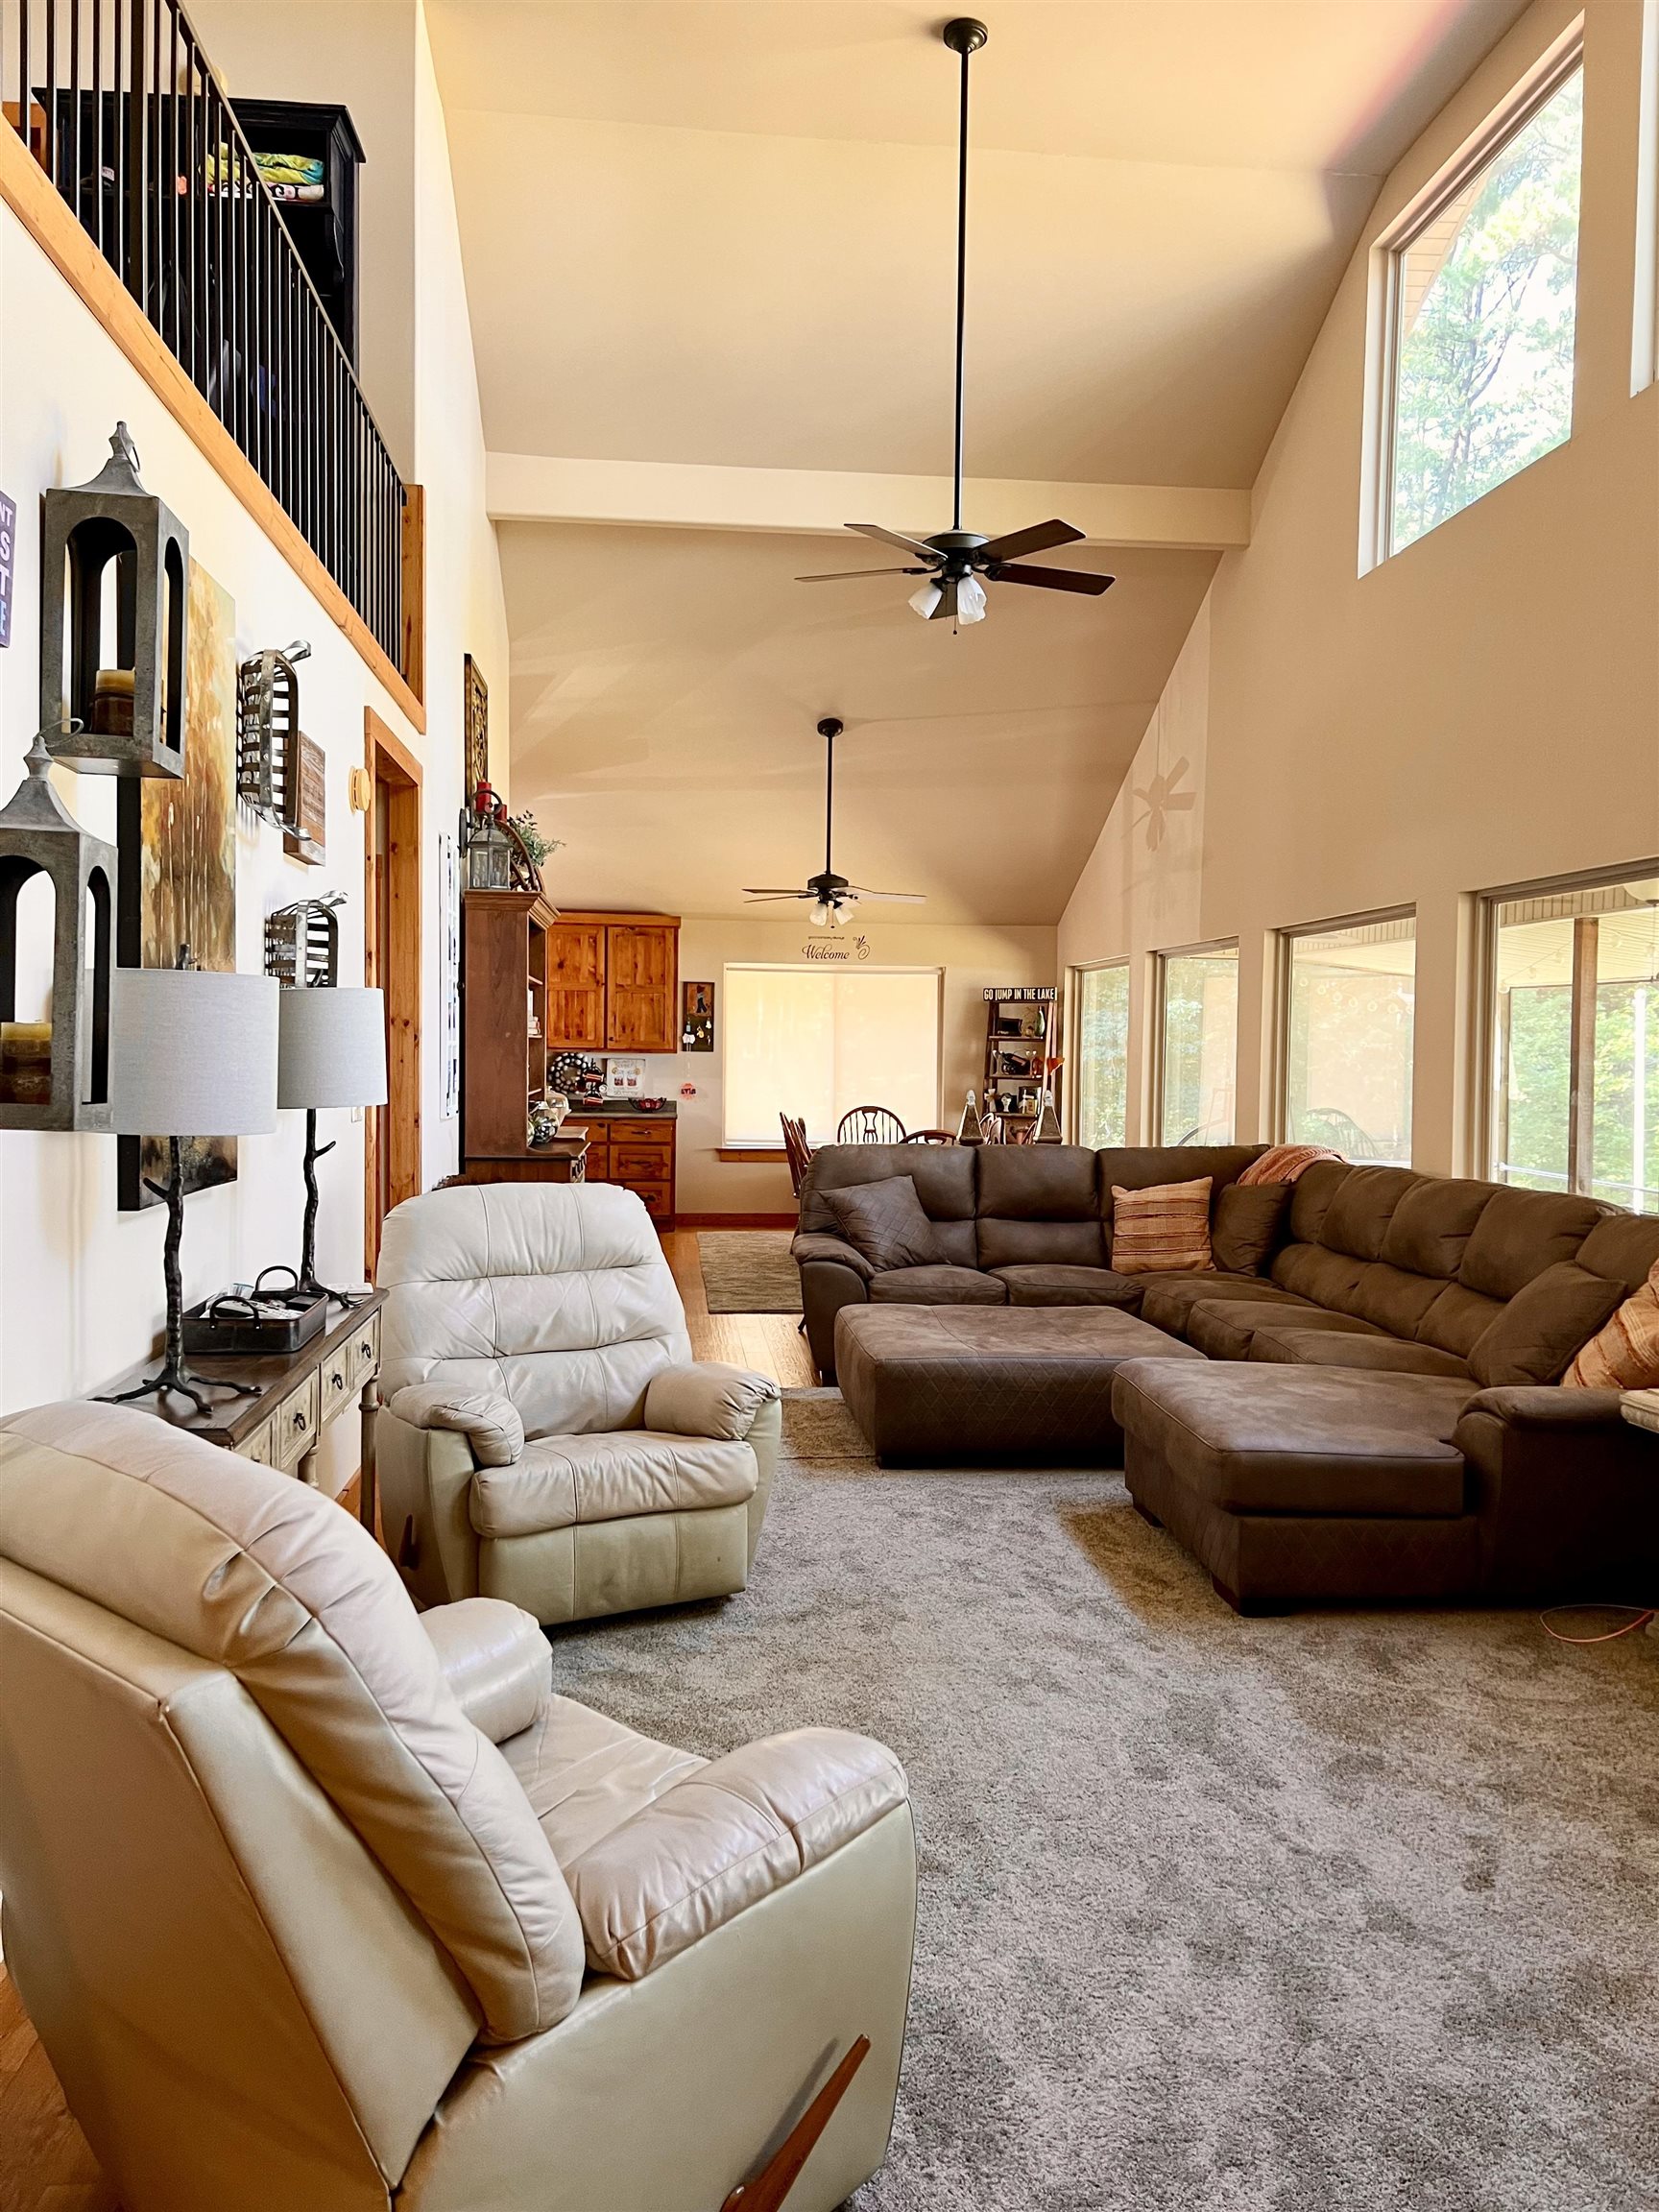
[80, 1282]
[970, 958]
[1480, 710]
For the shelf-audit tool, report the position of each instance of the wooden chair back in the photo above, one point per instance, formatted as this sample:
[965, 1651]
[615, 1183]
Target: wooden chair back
[795, 1149]
[869, 1125]
[930, 1137]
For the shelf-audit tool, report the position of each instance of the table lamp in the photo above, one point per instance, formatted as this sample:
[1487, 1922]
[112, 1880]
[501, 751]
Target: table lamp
[191, 1054]
[333, 1053]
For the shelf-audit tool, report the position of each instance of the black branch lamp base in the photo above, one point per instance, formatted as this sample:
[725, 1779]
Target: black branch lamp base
[174, 1376]
[308, 1281]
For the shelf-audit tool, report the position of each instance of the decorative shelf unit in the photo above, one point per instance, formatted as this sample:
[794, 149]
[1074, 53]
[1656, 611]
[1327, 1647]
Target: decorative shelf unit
[504, 939]
[1019, 1031]
[322, 223]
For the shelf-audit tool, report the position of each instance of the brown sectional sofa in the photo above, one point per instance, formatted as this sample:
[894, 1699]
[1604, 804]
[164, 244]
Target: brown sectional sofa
[1379, 1417]
[1024, 1225]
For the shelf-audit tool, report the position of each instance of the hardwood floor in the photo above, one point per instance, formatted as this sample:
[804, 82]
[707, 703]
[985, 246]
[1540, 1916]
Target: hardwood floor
[45, 2165]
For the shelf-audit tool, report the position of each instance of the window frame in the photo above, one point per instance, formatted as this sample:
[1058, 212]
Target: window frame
[831, 971]
[1488, 904]
[1074, 975]
[1644, 302]
[1536, 89]
[1160, 959]
[1283, 938]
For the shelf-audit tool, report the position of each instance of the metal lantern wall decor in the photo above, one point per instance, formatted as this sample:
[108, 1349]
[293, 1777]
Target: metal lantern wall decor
[268, 730]
[494, 854]
[114, 705]
[303, 942]
[54, 1074]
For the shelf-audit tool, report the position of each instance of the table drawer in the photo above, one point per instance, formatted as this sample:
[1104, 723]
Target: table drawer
[294, 1424]
[355, 1362]
[659, 1136]
[259, 1446]
[659, 1198]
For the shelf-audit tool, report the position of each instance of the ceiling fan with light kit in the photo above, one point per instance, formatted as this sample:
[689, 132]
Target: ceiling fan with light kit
[954, 561]
[832, 897]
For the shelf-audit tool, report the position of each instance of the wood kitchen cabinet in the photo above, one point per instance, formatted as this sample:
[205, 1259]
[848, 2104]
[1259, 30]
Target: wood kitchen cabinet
[614, 983]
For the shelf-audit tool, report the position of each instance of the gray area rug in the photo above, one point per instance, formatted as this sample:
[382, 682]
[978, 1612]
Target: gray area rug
[1344, 1912]
[749, 1270]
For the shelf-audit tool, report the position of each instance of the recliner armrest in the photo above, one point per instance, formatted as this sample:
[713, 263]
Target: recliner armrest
[725, 1838]
[812, 1244]
[706, 1399]
[495, 1660]
[488, 1422]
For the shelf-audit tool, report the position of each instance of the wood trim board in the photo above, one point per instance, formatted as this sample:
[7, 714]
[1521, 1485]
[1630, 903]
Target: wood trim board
[390, 1176]
[737, 1220]
[29, 192]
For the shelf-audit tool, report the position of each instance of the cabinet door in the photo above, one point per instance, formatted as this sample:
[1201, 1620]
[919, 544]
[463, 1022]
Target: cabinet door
[643, 984]
[576, 987]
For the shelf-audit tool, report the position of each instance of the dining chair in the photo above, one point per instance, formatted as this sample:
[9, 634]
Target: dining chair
[869, 1125]
[797, 1152]
[930, 1137]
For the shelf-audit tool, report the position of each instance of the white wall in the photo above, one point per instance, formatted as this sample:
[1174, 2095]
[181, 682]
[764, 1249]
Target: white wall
[80, 1282]
[971, 959]
[1480, 710]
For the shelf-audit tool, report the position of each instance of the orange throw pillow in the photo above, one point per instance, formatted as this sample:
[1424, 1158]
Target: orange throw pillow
[1625, 1355]
[1163, 1229]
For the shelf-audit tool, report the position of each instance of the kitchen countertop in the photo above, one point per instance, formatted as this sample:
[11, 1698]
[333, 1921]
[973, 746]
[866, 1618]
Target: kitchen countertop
[618, 1109]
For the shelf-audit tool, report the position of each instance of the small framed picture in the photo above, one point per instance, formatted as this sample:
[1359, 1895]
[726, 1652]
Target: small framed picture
[696, 1017]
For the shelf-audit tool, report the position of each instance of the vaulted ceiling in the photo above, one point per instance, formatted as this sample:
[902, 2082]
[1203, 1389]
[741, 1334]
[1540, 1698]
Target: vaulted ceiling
[708, 261]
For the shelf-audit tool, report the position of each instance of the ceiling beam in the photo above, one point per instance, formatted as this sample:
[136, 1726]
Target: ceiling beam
[676, 495]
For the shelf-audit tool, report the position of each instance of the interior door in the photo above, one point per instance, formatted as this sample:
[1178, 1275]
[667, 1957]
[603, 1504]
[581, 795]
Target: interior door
[392, 961]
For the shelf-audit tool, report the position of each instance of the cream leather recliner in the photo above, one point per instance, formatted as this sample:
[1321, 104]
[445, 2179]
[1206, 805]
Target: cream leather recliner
[319, 1905]
[547, 1438]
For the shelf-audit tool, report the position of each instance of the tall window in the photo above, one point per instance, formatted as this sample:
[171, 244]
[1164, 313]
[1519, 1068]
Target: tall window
[1483, 313]
[1198, 1044]
[818, 1040]
[1346, 1012]
[1102, 1054]
[1574, 1095]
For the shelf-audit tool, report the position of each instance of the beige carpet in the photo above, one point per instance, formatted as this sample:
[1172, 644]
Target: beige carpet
[1344, 1912]
[749, 1270]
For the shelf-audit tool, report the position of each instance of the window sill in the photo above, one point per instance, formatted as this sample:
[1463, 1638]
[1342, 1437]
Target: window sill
[759, 1155]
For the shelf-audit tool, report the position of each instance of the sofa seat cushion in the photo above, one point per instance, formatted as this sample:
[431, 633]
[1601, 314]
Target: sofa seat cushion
[1056, 1285]
[562, 1480]
[1282, 1344]
[584, 1774]
[1305, 1440]
[1168, 1299]
[1223, 1329]
[937, 1286]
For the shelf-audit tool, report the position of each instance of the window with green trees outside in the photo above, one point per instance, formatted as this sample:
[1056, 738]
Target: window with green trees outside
[1574, 1048]
[1484, 317]
[1346, 1046]
[1198, 1056]
[1102, 1054]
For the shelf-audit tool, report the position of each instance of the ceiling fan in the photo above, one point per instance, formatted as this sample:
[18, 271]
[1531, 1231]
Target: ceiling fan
[833, 897]
[953, 561]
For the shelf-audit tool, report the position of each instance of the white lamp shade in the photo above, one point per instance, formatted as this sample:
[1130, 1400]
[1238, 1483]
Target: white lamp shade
[333, 1049]
[192, 1053]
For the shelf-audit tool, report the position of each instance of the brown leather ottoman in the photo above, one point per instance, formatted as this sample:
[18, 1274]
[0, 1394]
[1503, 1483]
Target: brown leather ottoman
[1301, 1485]
[1028, 1384]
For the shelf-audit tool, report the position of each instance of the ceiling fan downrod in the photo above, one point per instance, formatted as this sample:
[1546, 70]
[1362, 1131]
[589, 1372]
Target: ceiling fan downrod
[964, 34]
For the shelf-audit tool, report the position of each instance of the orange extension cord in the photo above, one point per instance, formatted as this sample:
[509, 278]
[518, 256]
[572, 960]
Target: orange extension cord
[1643, 1614]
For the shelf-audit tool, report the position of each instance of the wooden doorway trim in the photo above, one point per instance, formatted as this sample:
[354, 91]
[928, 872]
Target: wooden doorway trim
[392, 960]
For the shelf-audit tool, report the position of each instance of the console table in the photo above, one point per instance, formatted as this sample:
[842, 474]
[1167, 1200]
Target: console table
[299, 1394]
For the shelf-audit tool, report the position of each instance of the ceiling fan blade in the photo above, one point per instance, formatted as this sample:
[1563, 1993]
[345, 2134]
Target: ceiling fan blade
[893, 898]
[1052, 579]
[1038, 539]
[893, 538]
[835, 575]
[780, 894]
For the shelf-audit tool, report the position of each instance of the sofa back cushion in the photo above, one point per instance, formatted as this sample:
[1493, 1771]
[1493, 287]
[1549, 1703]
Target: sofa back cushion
[267, 1579]
[1310, 1196]
[943, 1175]
[1038, 1206]
[1624, 1247]
[1533, 1338]
[1520, 1233]
[554, 1295]
[1430, 1227]
[1143, 1167]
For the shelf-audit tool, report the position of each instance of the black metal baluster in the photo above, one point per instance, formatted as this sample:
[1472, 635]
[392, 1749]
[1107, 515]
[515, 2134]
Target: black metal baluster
[138, 177]
[49, 136]
[74, 163]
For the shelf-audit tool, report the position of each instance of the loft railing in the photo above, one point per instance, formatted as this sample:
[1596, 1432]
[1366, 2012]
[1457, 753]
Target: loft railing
[119, 104]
